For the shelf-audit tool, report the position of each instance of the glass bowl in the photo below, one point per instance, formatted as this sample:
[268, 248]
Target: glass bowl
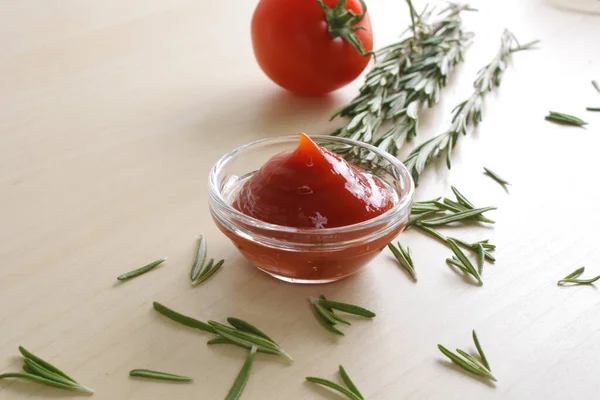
[308, 255]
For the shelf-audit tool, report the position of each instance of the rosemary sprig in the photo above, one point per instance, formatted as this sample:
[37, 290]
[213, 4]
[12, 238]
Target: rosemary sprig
[572, 278]
[565, 119]
[407, 75]
[469, 112]
[323, 310]
[470, 363]
[495, 176]
[41, 371]
[456, 217]
[142, 270]
[351, 392]
[242, 379]
[404, 259]
[243, 335]
[146, 373]
[200, 259]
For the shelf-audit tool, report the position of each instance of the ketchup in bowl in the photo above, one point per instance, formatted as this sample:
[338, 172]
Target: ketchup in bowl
[303, 213]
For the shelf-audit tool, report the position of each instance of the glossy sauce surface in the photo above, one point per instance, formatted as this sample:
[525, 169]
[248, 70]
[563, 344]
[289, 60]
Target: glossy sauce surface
[311, 187]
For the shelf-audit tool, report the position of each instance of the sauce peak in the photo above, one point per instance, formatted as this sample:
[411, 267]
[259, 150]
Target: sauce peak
[311, 187]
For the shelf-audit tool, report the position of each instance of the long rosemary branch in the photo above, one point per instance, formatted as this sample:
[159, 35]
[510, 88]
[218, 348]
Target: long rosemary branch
[408, 75]
[468, 113]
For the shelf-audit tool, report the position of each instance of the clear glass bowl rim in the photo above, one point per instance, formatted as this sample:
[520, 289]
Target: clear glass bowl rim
[399, 208]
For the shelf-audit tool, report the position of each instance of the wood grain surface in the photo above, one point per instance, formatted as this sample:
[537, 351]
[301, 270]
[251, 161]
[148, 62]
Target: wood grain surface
[111, 115]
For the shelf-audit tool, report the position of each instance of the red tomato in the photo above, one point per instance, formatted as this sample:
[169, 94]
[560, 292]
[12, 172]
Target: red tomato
[295, 46]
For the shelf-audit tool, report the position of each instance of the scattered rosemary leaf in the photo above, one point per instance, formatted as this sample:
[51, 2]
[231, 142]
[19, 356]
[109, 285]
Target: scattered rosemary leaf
[247, 339]
[593, 108]
[462, 199]
[596, 86]
[209, 271]
[324, 321]
[495, 176]
[404, 259]
[142, 270]
[481, 259]
[41, 371]
[182, 319]
[200, 259]
[146, 373]
[349, 383]
[35, 378]
[242, 379]
[27, 354]
[332, 385]
[480, 351]
[456, 217]
[464, 260]
[247, 327]
[468, 362]
[565, 119]
[572, 278]
[348, 308]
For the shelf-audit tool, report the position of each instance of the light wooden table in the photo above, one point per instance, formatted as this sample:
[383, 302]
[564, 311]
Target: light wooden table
[112, 113]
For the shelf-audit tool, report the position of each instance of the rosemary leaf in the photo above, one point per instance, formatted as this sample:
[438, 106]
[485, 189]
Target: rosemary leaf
[45, 364]
[146, 373]
[324, 321]
[468, 113]
[209, 271]
[328, 315]
[183, 319]
[246, 339]
[467, 365]
[480, 351]
[404, 261]
[495, 176]
[142, 270]
[242, 379]
[200, 259]
[464, 261]
[34, 368]
[459, 216]
[348, 308]
[332, 385]
[462, 199]
[333, 314]
[456, 263]
[565, 119]
[462, 243]
[481, 259]
[349, 383]
[247, 327]
[575, 273]
[596, 86]
[222, 340]
[572, 278]
[35, 378]
[593, 108]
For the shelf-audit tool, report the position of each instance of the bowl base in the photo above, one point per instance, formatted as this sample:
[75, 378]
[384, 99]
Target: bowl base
[301, 281]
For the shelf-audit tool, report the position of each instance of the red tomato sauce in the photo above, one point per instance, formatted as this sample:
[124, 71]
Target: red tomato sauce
[312, 187]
